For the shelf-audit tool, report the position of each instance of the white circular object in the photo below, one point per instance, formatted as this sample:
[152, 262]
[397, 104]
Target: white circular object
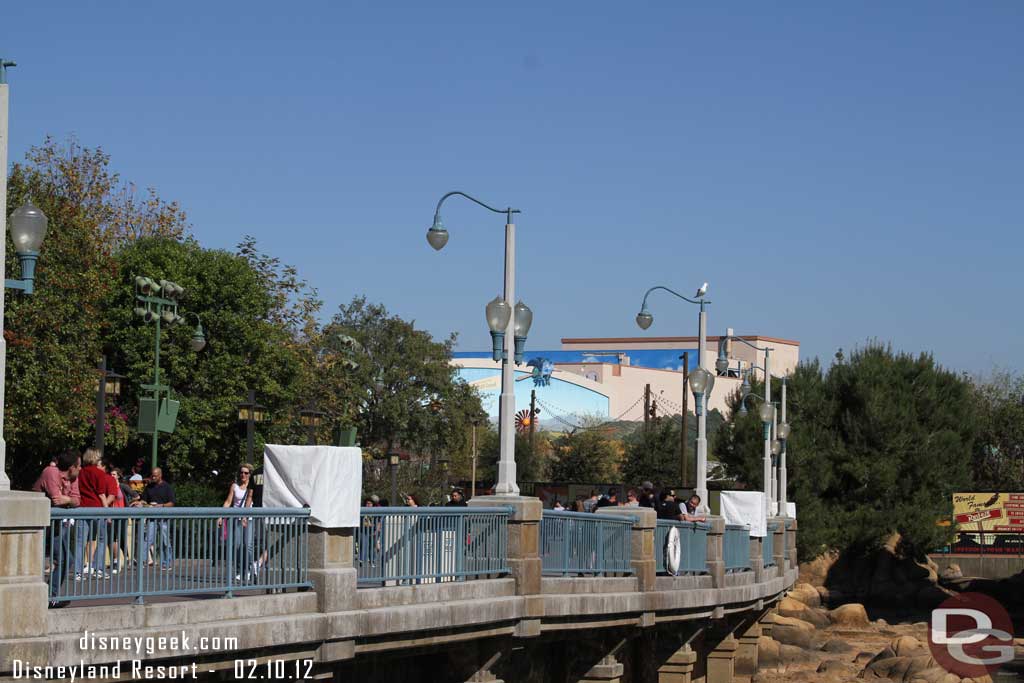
[673, 551]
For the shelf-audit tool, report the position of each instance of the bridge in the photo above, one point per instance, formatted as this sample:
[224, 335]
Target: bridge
[499, 591]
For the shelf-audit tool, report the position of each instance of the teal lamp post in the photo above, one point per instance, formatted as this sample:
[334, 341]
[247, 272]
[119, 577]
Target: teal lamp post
[701, 381]
[28, 226]
[509, 328]
[157, 302]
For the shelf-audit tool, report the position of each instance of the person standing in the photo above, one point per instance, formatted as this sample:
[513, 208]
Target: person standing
[457, 500]
[97, 490]
[611, 500]
[590, 503]
[158, 494]
[59, 481]
[240, 496]
[647, 499]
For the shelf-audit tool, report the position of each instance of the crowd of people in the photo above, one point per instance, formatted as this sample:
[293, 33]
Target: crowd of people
[665, 503]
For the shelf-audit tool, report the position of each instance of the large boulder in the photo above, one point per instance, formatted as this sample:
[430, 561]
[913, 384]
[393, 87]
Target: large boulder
[951, 572]
[931, 596]
[903, 669]
[850, 615]
[807, 594]
[788, 607]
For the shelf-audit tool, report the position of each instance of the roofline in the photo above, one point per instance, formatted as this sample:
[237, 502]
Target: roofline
[668, 340]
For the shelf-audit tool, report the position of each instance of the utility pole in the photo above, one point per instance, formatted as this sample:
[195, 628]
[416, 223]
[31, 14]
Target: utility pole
[472, 486]
[647, 406]
[533, 415]
[684, 428]
[101, 407]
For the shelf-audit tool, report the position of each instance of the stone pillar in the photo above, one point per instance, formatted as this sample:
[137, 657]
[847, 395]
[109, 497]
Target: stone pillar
[641, 542]
[757, 558]
[523, 554]
[721, 661]
[746, 651]
[779, 554]
[608, 670]
[767, 621]
[333, 575]
[24, 595]
[791, 542]
[478, 661]
[716, 551]
[678, 668]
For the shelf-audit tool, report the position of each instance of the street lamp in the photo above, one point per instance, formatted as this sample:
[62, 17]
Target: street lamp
[311, 419]
[251, 413]
[394, 457]
[198, 341]
[28, 228]
[108, 382]
[157, 302]
[701, 382]
[508, 338]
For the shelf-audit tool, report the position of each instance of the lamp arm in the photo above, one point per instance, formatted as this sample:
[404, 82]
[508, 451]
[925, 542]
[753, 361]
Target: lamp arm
[700, 302]
[751, 395]
[437, 211]
[753, 346]
[758, 367]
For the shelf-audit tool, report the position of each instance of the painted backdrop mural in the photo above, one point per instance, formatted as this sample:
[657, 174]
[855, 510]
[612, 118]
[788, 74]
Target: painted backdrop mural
[559, 397]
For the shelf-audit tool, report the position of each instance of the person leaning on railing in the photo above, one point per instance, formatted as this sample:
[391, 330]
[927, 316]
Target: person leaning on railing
[240, 496]
[157, 494]
[59, 481]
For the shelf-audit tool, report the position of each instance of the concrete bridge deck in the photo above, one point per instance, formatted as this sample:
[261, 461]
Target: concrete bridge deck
[521, 627]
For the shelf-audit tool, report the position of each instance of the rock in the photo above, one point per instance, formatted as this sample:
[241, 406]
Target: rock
[807, 594]
[792, 622]
[930, 597]
[953, 571]
[792, 635]
[907, 646]
[835, 646]
[897, 668]
[834, 667]
[768, 653]
[935, 675]
[852, 614]
[788, 607]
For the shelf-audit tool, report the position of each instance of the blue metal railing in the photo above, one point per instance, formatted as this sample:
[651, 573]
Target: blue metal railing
[736, 547]
[693, 542]
[101, 553]
[400, 545]
[768, 546]
[585, 543]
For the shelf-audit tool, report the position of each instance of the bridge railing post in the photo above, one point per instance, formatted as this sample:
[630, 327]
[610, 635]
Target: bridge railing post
[641, 541]
[524, 561]
[777, 526]
[791, 541]
[24, 594]
[331, 568]
[716, 551]
[757, 558]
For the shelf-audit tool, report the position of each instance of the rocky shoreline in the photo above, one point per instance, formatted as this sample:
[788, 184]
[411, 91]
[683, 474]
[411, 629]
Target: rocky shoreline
[809, 642]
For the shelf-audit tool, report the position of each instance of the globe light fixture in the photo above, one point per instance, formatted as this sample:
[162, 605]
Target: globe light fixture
[767, 412]
[28, 226]
[776, 447]
[782, 431]
[437, 236]
[498, 314]
[644, 319]
[524, 319]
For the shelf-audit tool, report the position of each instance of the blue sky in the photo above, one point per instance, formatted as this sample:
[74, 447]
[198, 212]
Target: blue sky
[836, 171]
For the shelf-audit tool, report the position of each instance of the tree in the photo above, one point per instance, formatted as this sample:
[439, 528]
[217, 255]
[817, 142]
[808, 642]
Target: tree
[653, 454]
[247, 348]
[587, 456]
[404, 388]
[880, 441]
[531, 465]
[998, 462]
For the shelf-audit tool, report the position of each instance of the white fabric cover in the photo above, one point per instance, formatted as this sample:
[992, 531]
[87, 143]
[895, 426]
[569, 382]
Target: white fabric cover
[747, 508]
[791, 510]
[326, 479]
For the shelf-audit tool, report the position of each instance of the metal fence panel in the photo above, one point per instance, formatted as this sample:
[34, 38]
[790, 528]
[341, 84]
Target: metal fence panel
[573, 543]
[736, 547]
[97, 553]
[693, 540]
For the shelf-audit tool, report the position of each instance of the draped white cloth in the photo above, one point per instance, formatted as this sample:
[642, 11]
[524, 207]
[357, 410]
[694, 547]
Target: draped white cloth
[747, 508]
[326, 479]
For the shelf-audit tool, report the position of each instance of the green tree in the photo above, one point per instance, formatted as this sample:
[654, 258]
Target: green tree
[588, 456]
[880, 441]
[998, 462]
[531, 465]
[653, 454]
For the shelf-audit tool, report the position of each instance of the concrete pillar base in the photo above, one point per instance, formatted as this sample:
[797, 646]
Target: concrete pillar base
[678, 668]
[24, 517]
[721, 661]
[746, 651]
[608, 670]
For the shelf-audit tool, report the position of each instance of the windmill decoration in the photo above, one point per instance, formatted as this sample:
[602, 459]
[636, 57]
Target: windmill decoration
[523, 419]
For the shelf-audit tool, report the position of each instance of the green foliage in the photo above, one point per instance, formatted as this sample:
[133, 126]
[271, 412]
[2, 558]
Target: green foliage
[998, 461]
[198, 494]
[588, 456]
[653, 454]
[879, 443]
[530, 465]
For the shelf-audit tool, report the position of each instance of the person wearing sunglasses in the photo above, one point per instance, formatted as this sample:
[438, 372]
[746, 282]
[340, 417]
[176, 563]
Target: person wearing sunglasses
[240, 496]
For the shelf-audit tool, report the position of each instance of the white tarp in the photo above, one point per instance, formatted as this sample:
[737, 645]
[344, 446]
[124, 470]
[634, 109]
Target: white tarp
[747, 508]
[326, 479]
[791, 510]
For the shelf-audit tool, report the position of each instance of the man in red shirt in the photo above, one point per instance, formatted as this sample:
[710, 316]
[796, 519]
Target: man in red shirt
[98, 490]
[59, 481]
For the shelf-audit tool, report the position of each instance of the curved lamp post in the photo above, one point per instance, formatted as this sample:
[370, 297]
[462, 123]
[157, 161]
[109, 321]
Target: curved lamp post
[509, 329]
[107, 384]
[701, 382]
[249, 413]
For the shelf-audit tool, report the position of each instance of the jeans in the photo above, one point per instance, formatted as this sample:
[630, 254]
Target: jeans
[164, 547]
[84, 530]
[243, 535]
[60, 555]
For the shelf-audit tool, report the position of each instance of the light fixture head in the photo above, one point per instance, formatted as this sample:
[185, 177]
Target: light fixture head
[722, 363]
[146, 285]
[767, 412]
[711, 384]
[28, 228]
[146, 314]
[644, 319]
[743, 408]
[524, 319]
[498, 314]
[437, 236]
[170, 317]
[776, 447]
[783, 430]
[171, 290]
[699, 379]
[745, 387]
[198, 342]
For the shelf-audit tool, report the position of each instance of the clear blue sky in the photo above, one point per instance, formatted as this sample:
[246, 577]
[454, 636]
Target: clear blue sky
[836, 171]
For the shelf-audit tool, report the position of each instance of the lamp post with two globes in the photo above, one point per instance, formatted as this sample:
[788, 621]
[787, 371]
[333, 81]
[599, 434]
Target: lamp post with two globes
[779, 440]
[508, 339]
[702, 382]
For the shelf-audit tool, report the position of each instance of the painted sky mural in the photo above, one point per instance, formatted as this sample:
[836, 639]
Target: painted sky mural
[660, 359]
